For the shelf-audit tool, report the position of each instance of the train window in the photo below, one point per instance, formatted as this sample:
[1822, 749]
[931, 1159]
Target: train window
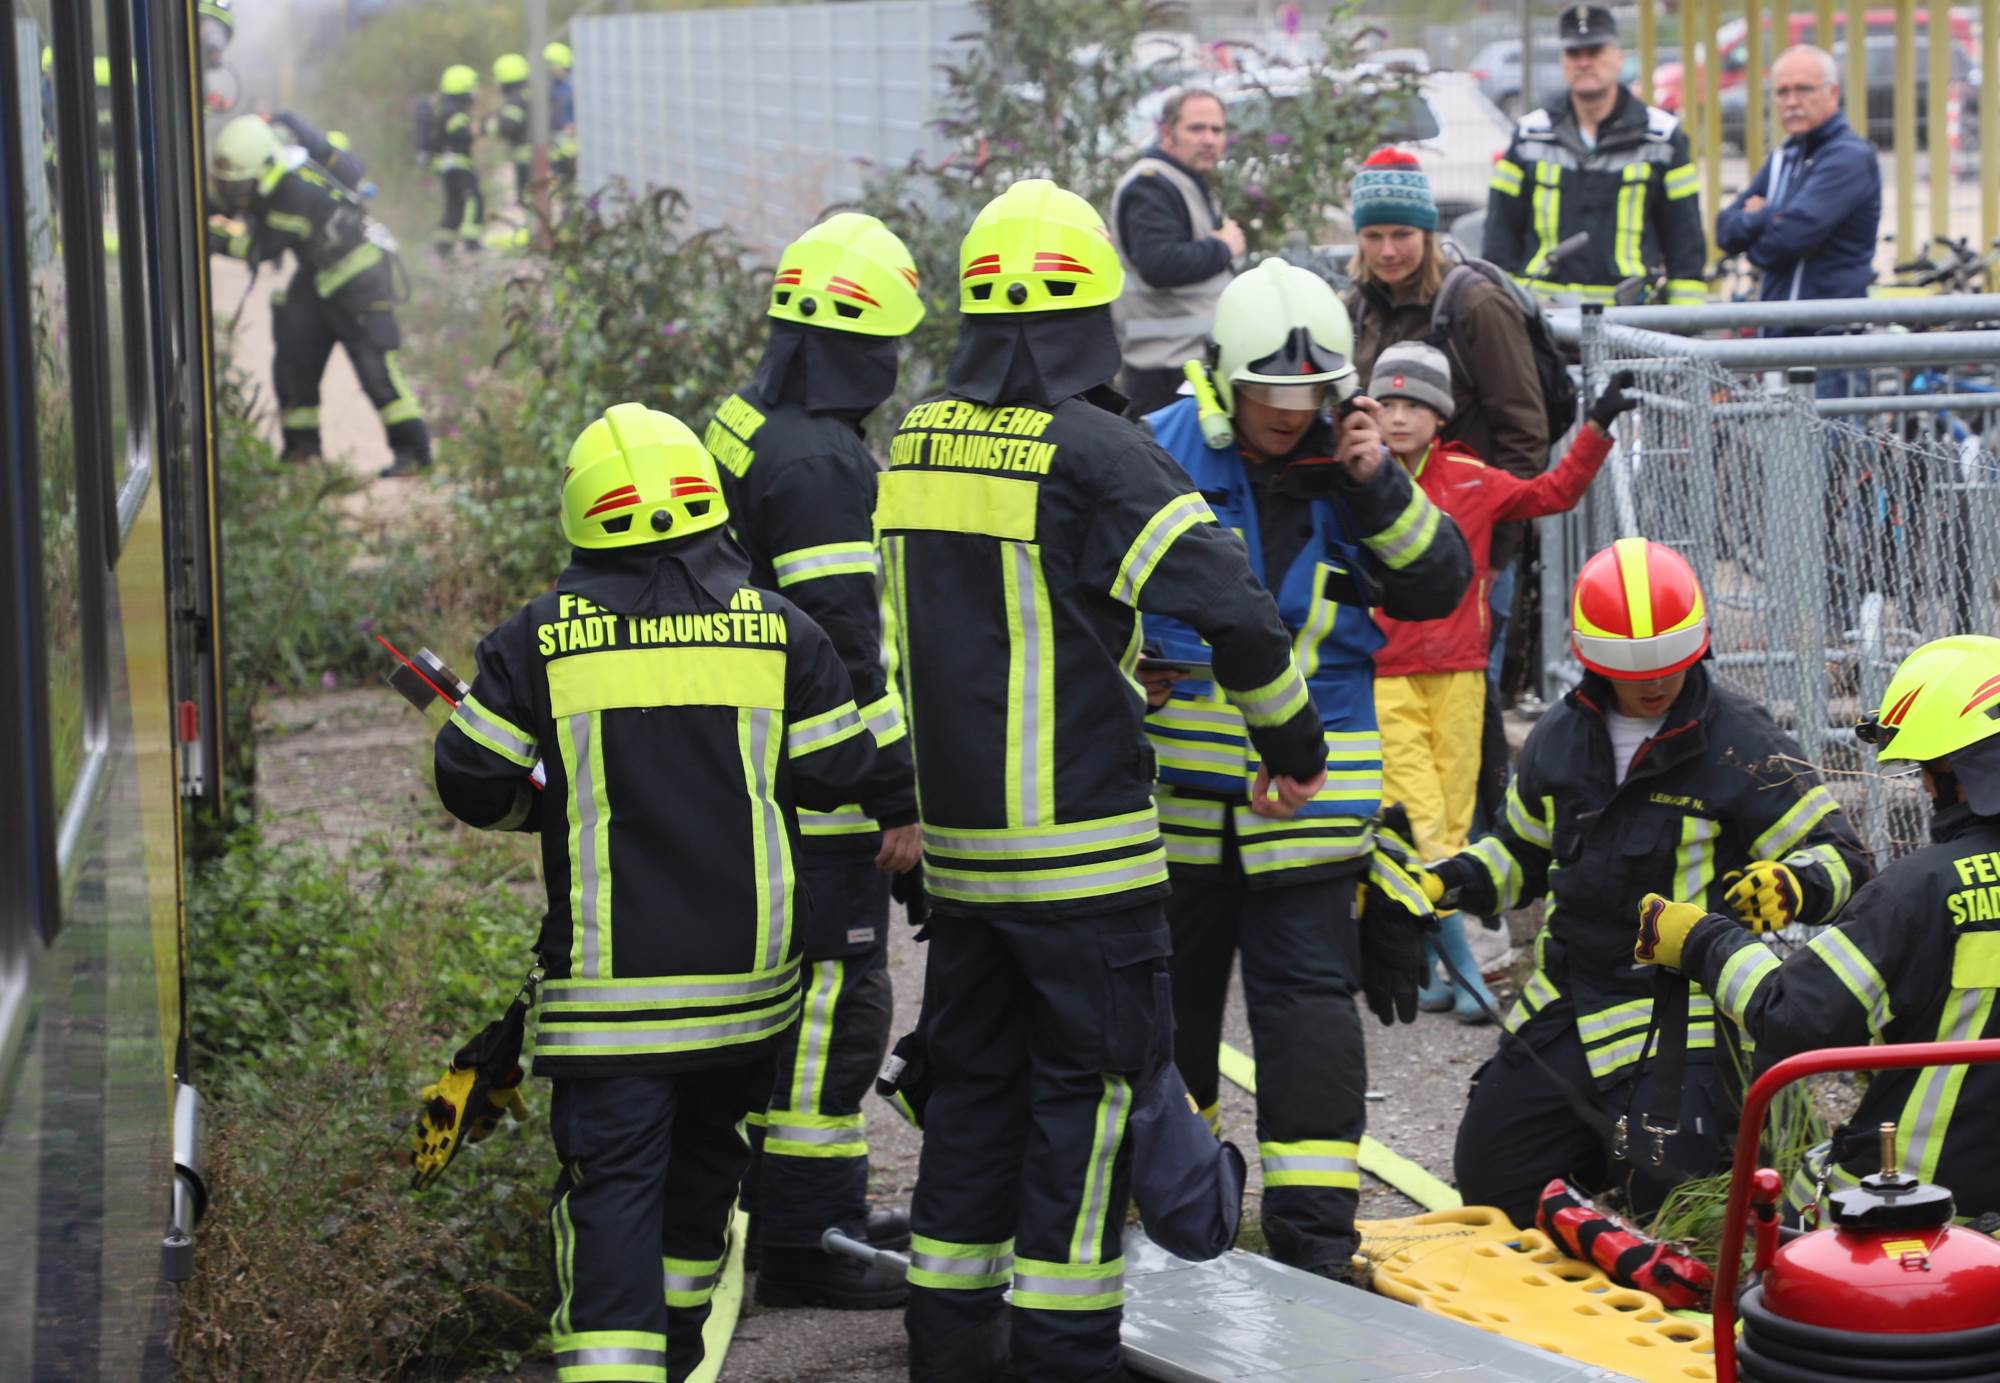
[63, 548]
[128, 421]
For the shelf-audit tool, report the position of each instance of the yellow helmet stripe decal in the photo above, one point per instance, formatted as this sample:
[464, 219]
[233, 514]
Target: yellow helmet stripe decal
[1638, 590]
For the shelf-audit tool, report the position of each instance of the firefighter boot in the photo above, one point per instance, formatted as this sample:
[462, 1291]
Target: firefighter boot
[406, 463]
[813, 1277]
[888, 1228]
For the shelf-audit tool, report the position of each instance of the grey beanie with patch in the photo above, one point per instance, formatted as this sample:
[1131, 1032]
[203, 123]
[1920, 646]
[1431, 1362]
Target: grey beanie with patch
[1413, 370]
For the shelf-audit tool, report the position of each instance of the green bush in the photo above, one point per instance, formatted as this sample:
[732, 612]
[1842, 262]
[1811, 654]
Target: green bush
[325, 995]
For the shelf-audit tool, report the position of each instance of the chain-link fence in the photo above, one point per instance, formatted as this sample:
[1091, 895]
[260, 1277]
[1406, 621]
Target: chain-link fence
[1832, 535]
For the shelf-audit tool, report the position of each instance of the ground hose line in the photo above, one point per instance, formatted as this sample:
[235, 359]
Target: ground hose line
[1397, 1171]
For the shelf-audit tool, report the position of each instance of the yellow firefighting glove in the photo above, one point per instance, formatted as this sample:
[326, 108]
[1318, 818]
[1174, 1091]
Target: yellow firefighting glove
[1766, 897]
[459, 1107]
[1432, 886]
[1663, 929]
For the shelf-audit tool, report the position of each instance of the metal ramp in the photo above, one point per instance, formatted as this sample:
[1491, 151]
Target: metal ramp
[1245, 1317]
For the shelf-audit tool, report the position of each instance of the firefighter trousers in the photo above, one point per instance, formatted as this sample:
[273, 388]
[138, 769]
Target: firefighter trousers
[810, 1171]
[1520, 1129]
[464, 210]
[1301, 958]
[651, 1166]
[361, 319]
[1038, 1029]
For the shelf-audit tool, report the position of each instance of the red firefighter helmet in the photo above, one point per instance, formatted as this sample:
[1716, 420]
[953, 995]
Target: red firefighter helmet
[1638, 612]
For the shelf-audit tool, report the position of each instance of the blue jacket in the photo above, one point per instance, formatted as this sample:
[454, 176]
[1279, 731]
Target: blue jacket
[1381, 543]
[1816, 238]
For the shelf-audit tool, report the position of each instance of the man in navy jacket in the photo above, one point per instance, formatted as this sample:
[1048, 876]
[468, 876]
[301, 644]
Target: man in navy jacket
[1810, 217]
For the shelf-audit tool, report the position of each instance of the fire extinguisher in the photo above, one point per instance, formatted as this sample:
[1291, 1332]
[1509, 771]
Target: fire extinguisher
[1891, 1288]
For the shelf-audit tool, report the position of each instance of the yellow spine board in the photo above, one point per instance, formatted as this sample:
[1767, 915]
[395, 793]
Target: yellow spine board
[1474, 1266]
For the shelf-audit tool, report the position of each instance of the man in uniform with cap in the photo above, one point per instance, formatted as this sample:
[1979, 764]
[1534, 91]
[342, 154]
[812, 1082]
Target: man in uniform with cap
[1601, 161]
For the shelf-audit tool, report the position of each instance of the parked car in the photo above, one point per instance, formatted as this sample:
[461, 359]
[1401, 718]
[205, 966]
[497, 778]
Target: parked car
[1733, 42]
[1881, 96]
[1497, 69]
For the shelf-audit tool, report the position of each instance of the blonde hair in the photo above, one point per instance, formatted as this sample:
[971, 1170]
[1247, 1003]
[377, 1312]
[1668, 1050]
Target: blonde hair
[1430, 272]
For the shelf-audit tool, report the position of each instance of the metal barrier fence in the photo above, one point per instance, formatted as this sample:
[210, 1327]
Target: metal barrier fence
[1832, 535]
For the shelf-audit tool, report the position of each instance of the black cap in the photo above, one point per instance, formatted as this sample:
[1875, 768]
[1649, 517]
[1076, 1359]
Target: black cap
[1587, 26]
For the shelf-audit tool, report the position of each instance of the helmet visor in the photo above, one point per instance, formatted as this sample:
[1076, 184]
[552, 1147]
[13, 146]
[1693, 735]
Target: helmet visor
[1290, 398]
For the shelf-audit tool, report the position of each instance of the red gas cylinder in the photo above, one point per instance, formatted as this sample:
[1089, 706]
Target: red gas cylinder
[1891, 1289]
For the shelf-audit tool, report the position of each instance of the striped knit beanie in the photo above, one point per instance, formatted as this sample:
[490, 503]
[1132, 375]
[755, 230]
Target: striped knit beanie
[1392, 190]
[1413, 370]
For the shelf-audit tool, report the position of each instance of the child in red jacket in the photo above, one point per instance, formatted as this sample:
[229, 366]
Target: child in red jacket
[1430, 678]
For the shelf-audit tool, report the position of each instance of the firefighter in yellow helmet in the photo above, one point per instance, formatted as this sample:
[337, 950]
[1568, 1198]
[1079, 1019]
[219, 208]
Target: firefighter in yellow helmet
[1650, 776]
[683, 715]
[452, 132]
[1024, 525]
[801, 485]
[1914, 958]
[562, 112]
[509, 124]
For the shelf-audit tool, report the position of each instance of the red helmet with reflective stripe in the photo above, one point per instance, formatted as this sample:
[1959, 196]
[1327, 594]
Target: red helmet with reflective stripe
[1638, 612]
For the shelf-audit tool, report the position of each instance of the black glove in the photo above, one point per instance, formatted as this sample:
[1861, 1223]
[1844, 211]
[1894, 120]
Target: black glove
[1614, 400]
[1394, 920]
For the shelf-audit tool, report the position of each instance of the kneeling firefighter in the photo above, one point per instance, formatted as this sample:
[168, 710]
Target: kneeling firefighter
[1024, 525]
[345, 289]
[801, 489]
[1914, 958]
[683, 715]
[1649, 777]
[1331, 538]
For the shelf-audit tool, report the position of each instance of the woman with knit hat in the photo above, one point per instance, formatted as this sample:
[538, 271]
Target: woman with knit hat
[1430, 678]
[1399, 268]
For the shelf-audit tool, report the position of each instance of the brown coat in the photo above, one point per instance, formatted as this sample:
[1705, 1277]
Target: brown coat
[1499, 417]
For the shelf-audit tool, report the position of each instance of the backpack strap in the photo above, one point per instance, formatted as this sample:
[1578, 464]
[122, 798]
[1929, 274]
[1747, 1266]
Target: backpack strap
[1444, 314]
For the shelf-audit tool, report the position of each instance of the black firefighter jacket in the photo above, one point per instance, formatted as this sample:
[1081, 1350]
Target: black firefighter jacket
[682, 715]
[1914, 958]
[1719, 786]
[1020, 541]
[801, 488]
[1636, 191]
[300, 207]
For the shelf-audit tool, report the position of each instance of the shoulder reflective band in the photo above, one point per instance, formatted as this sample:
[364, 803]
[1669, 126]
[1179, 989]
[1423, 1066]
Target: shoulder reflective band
[828, 559]
[1683, 181]
[647, 677]
[992, 506]
[1506, 178]
[824, 730]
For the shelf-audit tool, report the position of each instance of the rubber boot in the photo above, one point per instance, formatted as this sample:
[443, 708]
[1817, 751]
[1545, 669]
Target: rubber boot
[405, 464]
[1452, 942]
[811, 1277]
[1435, 995]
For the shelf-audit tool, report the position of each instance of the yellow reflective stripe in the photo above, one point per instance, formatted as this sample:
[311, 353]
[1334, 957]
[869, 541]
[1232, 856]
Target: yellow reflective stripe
[1839, 878]
[1795, 825]
[589, 846]
[828, 1137]
[690, 1281]
[1686, 292]
[299, 419]
[1072, 838]
[1546, 209]
[815, 1037]
[846, 821]
[1506, 178]
[1539, 992]
[884, 717]
[827, 559]
[403, 408]
[1322, 613]
[772, 858]
[1694, 858]
[1588, 292]
[1857, 974]
[1920, 1134]
[1274, 703]
[1047, 885]
[648, 677]
[940, 1263]
[1384, 873]
[289, 222]
[1174, 518]
[1094, 1205]
[1741, 974]
[562, 1231]
[1409, 537]
[1975, 961]
[628, 1356]
[1608, 1022]
[1192, 850]
[1044, 1286]
[1030, 762]
[484, 727]
[559, 998]
[993, 506]
[1311, 1162]
[1535, 830]
[662, 1036]
[1631, 219]
[824, 730]
[355, 262]
[1613, 1057]
[1501, 867]
[1683, 181]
